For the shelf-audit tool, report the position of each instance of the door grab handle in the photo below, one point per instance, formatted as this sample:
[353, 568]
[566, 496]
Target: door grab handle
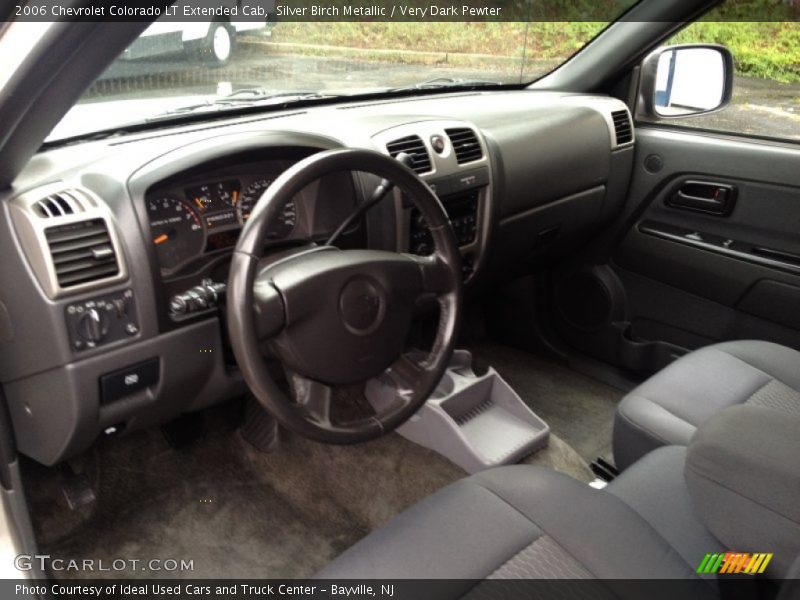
[703, 196]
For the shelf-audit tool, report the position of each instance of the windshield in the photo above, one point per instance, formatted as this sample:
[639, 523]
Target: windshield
[178, 68]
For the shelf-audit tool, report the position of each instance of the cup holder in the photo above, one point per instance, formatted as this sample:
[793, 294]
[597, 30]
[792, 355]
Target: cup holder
[476, 421]
[445, 386]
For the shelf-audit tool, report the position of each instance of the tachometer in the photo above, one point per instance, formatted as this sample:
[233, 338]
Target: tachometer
[286, 220]
[211, 197]
[201, 196]
[176, 229]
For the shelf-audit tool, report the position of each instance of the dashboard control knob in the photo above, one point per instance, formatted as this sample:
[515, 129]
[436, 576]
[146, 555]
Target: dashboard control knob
[93, 325]
[121, 304]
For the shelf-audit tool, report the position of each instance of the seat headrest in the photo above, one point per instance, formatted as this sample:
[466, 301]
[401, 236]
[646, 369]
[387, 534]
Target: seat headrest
[743, 474]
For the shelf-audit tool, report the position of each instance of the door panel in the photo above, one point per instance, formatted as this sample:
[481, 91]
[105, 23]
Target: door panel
[704, 263]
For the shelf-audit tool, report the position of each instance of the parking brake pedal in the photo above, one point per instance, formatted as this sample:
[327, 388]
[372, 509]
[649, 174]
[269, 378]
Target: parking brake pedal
[603, 469]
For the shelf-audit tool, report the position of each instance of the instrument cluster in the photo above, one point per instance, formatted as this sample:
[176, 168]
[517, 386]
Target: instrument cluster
[199, 218]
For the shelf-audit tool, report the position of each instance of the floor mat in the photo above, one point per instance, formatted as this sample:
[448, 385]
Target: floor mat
[579, 410]
[236, 512]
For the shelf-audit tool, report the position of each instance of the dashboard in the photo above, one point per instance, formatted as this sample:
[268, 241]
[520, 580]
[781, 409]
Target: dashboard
[100, 238]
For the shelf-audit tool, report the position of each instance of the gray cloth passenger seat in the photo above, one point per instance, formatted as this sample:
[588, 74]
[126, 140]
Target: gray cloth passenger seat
[668, 408]
[725, 492]
[525, 522]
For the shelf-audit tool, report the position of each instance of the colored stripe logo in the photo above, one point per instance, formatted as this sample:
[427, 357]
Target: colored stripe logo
[735, 562]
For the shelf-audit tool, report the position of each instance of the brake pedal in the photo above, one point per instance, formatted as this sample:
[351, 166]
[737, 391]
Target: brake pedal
[258, 428]
[77, 490]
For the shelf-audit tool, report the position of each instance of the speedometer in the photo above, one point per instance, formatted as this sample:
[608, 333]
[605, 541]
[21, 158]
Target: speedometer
[285, 221]
[176, 230]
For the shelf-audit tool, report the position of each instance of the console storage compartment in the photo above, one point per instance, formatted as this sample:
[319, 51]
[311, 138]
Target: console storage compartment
[476, 421]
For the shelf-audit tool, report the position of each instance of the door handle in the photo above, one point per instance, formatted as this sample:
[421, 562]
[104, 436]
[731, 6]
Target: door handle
[704, 196]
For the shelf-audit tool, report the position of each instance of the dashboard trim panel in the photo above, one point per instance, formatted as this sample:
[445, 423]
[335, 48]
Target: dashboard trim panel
[445, 167]
[31, 232]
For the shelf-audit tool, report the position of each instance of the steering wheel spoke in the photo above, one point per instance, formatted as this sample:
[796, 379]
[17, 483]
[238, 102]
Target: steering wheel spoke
[270, 316]
[313, 396]
[437, 275]
[409, 370]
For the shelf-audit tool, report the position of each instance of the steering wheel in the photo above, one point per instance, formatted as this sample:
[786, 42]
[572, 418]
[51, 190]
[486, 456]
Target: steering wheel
[337, 317]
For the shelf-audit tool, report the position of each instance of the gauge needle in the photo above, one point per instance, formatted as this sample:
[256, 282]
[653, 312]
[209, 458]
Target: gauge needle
[235, 196]
[199, 203]
[161, 239]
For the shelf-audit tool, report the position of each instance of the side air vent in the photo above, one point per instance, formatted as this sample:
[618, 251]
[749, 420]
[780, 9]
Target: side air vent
[622, 127]
[81, 252]
[63, 203]
[413, 146]
[465, 144]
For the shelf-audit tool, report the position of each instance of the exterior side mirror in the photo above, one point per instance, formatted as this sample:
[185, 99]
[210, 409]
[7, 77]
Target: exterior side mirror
[685, 80]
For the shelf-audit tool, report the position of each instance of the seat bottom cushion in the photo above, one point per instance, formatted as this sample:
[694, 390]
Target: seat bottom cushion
[667, 408]
[515, 522]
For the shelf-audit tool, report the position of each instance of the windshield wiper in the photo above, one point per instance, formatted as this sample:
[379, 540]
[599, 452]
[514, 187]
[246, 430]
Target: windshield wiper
[242, 97]
[446, 82]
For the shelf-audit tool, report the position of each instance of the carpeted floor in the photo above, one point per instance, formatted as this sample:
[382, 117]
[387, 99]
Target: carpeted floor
[237, 512]
[580, 410]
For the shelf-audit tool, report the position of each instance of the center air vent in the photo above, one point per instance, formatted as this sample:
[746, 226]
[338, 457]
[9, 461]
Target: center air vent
[622, 127]
[82, 252]
[62, 203]
[465, 144]
[414, 147]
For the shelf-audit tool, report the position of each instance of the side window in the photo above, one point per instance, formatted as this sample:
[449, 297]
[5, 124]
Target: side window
[766, 89]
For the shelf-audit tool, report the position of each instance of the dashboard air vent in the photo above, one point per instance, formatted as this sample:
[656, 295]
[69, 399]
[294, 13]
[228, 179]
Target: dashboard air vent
[622, 127]
[414, 147]
[82, 252]
[465, 144]
[63, 203]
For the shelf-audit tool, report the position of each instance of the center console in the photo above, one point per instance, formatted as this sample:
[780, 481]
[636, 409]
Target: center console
[474, 419]
[463, 212]
[452, 158]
